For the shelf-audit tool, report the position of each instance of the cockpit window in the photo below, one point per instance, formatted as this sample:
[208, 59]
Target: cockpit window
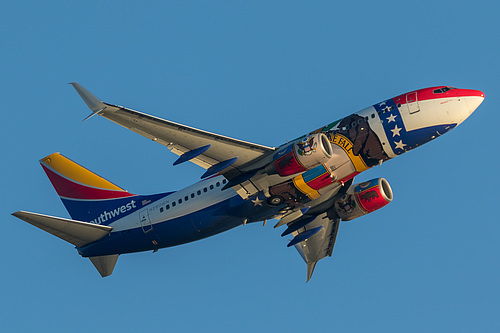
[443, 90]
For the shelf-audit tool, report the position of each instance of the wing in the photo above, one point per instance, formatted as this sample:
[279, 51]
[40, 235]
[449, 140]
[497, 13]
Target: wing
[210, 151]
[314, 239]
[314, 229]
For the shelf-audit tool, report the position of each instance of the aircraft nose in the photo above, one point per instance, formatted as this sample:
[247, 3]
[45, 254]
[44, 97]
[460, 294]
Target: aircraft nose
[473, 99]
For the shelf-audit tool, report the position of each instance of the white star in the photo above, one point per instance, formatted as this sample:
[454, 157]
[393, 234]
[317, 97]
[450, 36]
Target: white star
[396, 131]
[400, 144]
[257, 202]
[392, 117]
[387, 109]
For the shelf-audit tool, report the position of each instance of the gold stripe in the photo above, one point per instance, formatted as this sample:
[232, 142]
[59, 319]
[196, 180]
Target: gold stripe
[302, 186]
[76, 172]
[346, 144]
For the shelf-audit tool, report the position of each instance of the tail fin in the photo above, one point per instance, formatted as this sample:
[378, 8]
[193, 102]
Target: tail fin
[86, 195]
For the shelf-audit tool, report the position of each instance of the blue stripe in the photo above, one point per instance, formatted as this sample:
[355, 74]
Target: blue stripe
[314, 173]
[204, 223]
[108, 211]
[399, 138]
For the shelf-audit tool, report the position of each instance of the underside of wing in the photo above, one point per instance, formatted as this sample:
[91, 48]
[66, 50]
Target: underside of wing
[205, 149]
[323, 233]
[314, 230]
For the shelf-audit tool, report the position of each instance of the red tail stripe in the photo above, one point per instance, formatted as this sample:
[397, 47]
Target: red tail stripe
[69, 189]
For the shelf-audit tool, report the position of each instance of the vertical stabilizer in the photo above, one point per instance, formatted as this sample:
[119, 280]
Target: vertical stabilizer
[85, 194]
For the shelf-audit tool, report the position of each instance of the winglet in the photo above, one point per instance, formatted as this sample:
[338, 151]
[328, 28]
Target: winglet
[310, 269]
[94, 103]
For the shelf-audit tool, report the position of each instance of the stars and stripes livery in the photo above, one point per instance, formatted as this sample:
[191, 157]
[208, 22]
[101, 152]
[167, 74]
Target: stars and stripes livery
[307, 185]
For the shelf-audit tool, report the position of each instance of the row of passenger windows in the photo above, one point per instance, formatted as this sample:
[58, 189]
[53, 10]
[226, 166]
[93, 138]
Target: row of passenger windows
[360, 121]
[192, 195]
[353, 124]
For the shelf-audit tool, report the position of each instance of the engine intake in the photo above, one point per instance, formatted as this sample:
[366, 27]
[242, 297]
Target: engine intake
[301, 155]
[363, 198]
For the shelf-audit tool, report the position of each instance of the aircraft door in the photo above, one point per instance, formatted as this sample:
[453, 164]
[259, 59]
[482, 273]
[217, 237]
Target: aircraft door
[412, 102]
[145, 221]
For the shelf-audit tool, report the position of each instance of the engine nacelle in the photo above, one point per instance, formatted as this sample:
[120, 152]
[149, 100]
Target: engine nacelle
[302, 155]
[363, 198]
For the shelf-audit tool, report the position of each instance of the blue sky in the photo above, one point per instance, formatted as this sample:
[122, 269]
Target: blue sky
[264, 72]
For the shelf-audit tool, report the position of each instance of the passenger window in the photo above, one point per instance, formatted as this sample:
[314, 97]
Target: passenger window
[161, 209]
[199, 192]
[192, 195]
[373, 115]
[179, 201]
[224, 181]
[218, 184]
[211, 187]
[167, 207]
[186, 198]
[173, 203]
[205, 189]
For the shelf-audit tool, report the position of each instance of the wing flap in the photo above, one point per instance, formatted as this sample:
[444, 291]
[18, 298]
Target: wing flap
[75, 232]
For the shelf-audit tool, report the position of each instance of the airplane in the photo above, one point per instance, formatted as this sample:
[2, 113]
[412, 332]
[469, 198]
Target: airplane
[306, 185]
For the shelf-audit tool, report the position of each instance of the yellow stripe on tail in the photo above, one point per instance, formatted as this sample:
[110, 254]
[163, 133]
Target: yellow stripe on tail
[76, 172]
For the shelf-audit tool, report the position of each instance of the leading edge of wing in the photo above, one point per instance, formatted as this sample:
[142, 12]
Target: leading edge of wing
[177, 137]
[194, 130]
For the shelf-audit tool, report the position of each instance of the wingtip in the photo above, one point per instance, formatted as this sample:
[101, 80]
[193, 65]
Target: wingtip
[17, 214]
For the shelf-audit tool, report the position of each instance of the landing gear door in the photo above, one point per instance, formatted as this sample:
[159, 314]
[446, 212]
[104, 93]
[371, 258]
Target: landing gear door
[145, 221]
[412, 102]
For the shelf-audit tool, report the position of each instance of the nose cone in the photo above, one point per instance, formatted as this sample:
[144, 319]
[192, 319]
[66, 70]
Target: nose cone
[473, 99]
[469, 100]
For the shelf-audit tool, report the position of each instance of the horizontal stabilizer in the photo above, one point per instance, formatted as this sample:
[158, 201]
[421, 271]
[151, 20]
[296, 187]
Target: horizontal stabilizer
[105, 264]
[75, 232]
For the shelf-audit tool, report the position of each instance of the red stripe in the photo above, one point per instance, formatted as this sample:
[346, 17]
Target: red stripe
[321, 181]
[428, 94]
[69, 189]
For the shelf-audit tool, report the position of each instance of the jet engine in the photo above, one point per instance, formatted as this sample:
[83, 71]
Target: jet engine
[363, 198]
[301, 155]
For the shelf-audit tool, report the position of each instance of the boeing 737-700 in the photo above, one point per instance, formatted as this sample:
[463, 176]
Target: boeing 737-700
[306, 185]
